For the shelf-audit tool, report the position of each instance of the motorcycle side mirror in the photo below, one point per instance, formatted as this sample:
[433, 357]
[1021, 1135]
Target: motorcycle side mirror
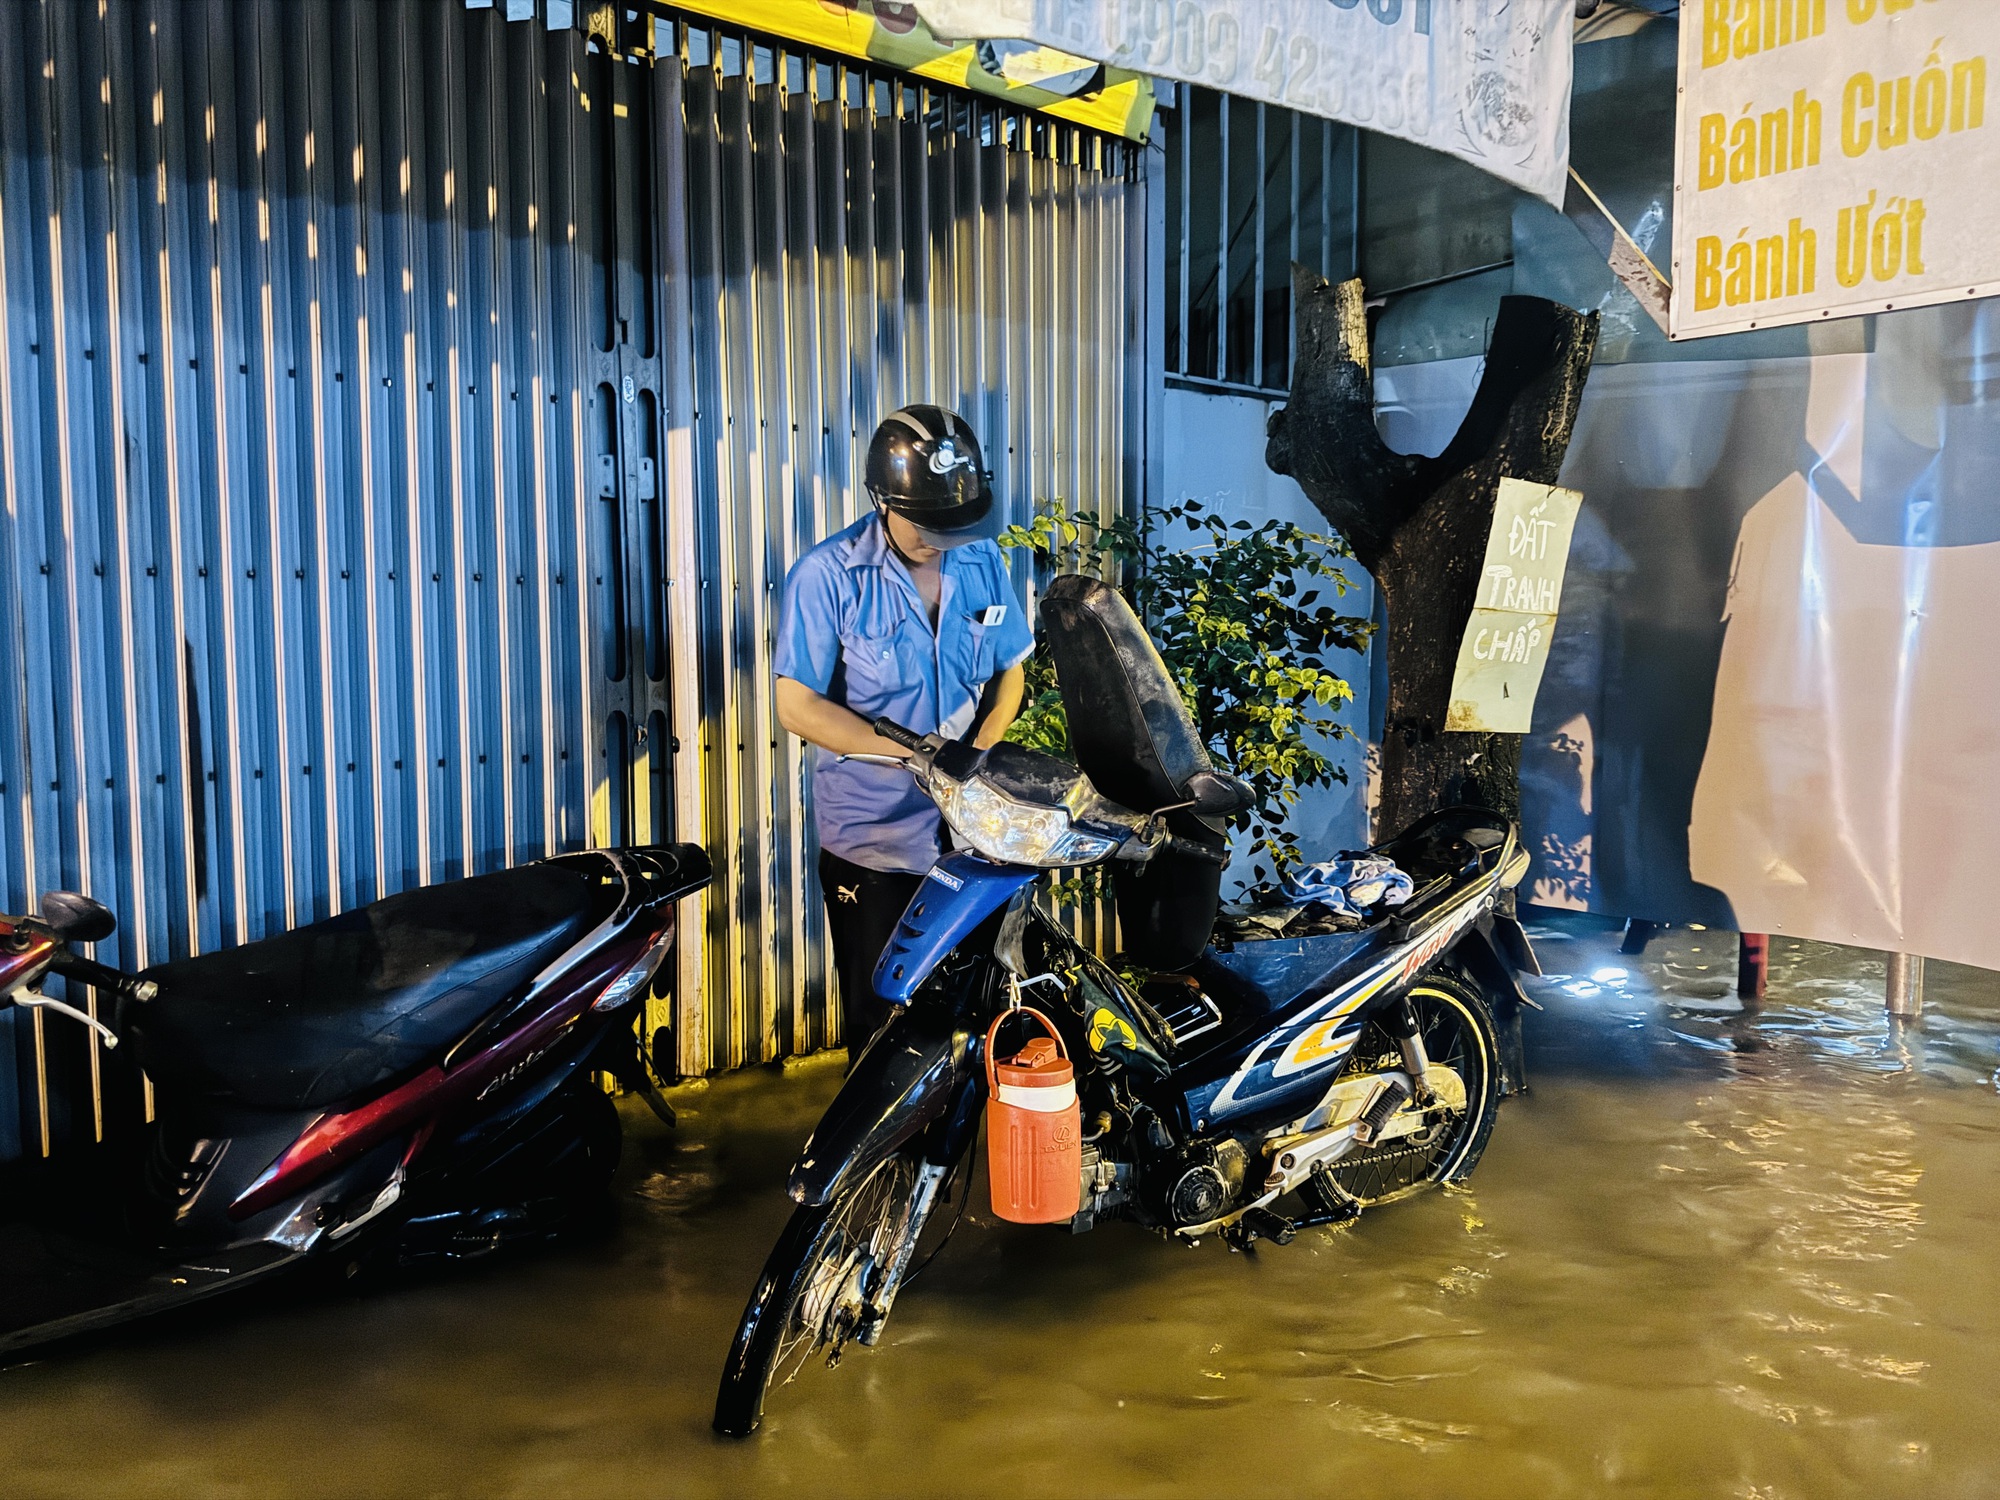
[1217, 794]
[77, 919]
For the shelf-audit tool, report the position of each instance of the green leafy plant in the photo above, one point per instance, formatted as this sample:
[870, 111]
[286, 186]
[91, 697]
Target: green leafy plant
[1244, 619]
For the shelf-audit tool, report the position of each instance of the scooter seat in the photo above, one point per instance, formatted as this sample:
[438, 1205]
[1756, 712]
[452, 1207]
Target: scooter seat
[335, 1008]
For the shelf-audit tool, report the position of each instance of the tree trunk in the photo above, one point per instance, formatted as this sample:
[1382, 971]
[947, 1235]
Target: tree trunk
[1419, 525]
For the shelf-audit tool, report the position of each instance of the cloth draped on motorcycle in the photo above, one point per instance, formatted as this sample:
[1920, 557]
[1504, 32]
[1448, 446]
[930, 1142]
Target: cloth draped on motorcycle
[1336, 895]
[1116, 1030]
[1351, 884]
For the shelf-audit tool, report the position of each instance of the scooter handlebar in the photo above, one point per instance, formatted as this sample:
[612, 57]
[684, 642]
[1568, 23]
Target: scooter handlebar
[1173, 843]
[896, 734]
[99, 977]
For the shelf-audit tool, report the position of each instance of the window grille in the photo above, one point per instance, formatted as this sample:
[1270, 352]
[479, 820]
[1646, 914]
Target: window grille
[1250, 189]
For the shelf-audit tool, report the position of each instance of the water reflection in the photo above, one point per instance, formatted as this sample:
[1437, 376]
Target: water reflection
[1716, 1252]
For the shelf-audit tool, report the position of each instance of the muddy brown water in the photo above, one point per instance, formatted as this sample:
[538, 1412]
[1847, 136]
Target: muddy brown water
[1712, 1254]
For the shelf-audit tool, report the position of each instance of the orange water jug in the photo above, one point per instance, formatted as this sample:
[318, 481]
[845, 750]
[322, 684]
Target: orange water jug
[1034, 1128]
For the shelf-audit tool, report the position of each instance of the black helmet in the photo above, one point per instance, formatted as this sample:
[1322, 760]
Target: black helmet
[924, 464]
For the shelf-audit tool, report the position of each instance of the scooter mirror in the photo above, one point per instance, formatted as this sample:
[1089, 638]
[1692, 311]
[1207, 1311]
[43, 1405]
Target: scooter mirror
[1217, 794]
[77, 919]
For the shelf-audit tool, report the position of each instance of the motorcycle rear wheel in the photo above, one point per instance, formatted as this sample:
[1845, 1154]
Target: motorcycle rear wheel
[1457, 1030]
[826, 1265]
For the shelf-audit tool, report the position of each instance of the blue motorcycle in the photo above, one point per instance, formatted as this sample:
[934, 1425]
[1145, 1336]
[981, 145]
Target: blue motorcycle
[1246, 1090]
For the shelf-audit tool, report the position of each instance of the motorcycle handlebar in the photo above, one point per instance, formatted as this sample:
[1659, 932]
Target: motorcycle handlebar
[1173, 843]
[896, 734]
[99, 977]
[909, 739]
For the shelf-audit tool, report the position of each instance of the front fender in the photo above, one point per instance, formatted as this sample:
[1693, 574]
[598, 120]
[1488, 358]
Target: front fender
[916, 1071]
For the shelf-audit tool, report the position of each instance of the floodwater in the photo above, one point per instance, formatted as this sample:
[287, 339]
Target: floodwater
[1711, 1254]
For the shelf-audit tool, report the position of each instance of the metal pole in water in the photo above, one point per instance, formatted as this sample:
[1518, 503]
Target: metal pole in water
[1637, 934]
[1905, 994]
[1753, 966]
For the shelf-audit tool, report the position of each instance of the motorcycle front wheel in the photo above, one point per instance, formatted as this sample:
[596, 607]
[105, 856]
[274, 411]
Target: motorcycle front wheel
[1457, 1031]
[816, 1288]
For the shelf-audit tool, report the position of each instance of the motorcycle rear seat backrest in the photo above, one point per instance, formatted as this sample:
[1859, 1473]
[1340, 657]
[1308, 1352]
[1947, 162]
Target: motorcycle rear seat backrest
[1131, 732]
[331, 1010]
[1134, 738]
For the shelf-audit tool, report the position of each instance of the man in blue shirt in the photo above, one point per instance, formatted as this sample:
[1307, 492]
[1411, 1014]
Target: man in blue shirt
[907, 613]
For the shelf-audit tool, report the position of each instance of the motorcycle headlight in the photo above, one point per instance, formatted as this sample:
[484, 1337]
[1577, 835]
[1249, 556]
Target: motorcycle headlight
[1017, 833]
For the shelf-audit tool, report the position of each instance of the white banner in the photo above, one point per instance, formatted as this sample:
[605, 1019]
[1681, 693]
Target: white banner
[1485, 80]
[1834, 157]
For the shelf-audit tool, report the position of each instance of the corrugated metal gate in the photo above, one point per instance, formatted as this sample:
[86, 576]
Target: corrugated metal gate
[407, 420]
[856, 242]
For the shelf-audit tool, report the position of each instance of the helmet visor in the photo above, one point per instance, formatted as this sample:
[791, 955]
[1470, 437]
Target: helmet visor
[978, 528]
[970, 517]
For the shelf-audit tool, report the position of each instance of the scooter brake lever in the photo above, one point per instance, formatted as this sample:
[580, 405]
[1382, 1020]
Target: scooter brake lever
[35, 1000]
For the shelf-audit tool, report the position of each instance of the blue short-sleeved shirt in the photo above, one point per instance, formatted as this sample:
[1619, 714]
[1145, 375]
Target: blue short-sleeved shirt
[855, 629]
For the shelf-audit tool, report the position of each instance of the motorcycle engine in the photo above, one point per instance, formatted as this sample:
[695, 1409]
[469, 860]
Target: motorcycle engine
[1203, 1181]
[1106, 1189]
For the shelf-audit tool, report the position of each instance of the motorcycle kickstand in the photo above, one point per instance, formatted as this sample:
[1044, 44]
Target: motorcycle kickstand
[659, 1106]
[1267, 1224]
[1260, 1224]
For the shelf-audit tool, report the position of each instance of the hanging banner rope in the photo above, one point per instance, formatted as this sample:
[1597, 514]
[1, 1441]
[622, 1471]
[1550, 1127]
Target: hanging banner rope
[1484, 80]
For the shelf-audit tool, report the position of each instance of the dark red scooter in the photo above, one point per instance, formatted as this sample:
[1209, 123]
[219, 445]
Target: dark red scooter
[405, 1082]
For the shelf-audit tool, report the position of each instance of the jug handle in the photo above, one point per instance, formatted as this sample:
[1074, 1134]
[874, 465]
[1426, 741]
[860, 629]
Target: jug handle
[992, 1083]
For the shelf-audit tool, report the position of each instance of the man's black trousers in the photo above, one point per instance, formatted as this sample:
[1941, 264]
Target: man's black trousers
[862, 908]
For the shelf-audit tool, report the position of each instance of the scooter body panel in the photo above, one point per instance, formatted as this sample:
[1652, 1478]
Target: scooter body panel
[1298, 1048]
[59, 1286]
[961, 891]
[339, 1136]
[232, 1193]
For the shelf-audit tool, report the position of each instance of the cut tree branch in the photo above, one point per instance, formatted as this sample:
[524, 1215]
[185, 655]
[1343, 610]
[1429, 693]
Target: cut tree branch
[1419, 525]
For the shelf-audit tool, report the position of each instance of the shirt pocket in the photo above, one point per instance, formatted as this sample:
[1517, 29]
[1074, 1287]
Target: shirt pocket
[877, 668]
[984, 644]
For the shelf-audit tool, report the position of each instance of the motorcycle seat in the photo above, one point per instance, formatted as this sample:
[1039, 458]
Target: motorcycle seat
[1135, 740]
[1272, 974]
[336, 1008]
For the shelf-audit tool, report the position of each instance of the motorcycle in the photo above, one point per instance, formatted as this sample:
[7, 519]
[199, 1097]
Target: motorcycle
[1245, 1090]
[409, 1081]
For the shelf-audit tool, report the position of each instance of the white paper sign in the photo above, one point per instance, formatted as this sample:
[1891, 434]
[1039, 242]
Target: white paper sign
[1485, 80]
[1506, 643]
[1834, 157]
